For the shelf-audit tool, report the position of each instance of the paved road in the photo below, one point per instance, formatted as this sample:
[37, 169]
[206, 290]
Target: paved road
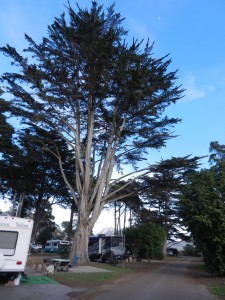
[171, 281]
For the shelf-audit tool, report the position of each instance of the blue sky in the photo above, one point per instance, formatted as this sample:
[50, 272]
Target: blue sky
[193, 32]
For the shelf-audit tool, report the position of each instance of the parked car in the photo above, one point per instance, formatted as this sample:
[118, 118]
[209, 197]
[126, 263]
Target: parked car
[169, 252]
[36, 248]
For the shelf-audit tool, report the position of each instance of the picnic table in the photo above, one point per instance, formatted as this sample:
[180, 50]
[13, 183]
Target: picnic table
[61, 264]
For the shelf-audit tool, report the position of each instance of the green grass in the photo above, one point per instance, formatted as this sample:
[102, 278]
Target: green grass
[74, 279]
[217, 289]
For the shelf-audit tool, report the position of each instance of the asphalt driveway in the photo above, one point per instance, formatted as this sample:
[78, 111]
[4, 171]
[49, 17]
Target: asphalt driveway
[172, 280]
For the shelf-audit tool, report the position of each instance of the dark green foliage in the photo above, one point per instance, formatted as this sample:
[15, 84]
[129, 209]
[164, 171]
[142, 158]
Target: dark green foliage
[7, 150]
[145, 241]
[190, 250]
[203, 211]
[161, 193]
[6, 135]
[44, 235]
[34, 173]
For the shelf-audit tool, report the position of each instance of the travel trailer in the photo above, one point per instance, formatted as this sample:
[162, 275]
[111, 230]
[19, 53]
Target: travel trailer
[15, 235]
[102, 248]
[54, 246]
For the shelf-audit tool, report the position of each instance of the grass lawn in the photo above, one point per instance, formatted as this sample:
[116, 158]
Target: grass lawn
[88, 279]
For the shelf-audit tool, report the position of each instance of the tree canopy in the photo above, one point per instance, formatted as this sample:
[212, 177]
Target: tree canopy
[104, 96]
[161, 191]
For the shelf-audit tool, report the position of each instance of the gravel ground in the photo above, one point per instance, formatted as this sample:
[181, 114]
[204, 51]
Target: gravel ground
[75, 269]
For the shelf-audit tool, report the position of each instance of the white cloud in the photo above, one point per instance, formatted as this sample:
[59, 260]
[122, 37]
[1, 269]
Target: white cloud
[139, 28]
[193, 92]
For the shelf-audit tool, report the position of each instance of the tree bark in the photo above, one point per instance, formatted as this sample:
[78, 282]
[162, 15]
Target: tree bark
[20, 205]
[70, 226]
[81, 239]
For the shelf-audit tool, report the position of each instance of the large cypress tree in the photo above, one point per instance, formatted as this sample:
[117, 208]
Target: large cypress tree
[105, 98]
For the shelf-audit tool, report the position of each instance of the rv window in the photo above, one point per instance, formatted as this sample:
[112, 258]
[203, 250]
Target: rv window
[8, 240]
[117, 241]
[93, 240]
[106, 242]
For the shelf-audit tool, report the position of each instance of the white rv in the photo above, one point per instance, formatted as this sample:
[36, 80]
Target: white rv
[54, 246]
[15, 235]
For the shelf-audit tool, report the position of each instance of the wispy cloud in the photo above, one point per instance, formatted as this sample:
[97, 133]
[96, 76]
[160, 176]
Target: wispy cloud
[193, 91]
[139, 29]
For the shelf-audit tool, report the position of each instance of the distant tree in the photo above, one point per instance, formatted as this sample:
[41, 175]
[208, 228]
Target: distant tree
[67, 230]
[45, 235]
[217, 152]
[174, 251]
[46, 186]
[190, 250]
[106, 99]
[125, 206]
[58, 234]
[161, 193]
[34, 179]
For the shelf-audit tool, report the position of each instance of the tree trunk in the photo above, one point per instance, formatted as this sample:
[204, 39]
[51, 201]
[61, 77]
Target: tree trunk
[70, 226]
[115, 224]
[35, 230]
[119, 220]
[125, 216]
[14, 204]
[20, 205]
[165, 246]
[81, 239]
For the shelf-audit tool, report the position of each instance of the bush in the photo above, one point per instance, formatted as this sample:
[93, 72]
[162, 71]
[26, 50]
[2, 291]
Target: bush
[145, 241]
[214, 259]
